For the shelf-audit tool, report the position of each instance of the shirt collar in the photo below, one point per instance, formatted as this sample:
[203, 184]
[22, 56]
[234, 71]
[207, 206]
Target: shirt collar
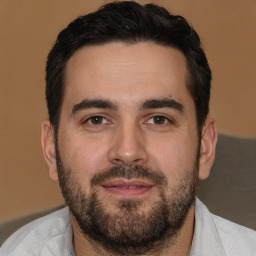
[206, 239]
[69, 240]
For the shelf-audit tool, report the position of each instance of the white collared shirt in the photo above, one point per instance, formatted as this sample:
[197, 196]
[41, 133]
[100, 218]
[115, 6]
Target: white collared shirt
[215, 236]
[52, 236]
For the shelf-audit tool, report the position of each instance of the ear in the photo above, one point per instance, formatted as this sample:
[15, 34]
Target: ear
[207, 149]
[48, 145]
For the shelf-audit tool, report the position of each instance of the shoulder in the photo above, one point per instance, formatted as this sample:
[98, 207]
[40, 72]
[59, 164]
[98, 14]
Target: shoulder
[38, 234]
[233, 238]
[236, 238]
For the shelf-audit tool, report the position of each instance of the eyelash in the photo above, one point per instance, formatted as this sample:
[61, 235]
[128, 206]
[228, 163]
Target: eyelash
[166, 120]
[94, 116]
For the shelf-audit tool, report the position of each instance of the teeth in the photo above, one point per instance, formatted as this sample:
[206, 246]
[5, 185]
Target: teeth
[127, 187]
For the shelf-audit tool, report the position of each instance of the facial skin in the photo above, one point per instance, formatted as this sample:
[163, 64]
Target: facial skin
[128, 106]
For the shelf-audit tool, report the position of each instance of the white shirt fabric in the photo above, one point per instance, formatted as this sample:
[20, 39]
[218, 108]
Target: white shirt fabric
[52, 236]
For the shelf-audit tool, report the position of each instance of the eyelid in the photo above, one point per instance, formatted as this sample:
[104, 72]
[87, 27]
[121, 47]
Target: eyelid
[85, 120]
[169, 119]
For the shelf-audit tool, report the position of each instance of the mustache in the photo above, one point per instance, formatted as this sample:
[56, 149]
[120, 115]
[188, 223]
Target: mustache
[136, 171]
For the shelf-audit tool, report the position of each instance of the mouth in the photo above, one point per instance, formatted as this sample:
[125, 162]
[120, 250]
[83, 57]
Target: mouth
[127, 188]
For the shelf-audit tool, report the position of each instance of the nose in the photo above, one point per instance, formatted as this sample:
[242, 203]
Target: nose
[128, 147]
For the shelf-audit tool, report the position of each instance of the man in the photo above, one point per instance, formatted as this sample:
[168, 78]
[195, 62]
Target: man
[129, 136]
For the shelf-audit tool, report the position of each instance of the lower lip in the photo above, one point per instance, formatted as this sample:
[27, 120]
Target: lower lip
[128, 192]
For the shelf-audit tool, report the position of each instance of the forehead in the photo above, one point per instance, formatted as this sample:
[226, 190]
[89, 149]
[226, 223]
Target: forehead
[126, 73]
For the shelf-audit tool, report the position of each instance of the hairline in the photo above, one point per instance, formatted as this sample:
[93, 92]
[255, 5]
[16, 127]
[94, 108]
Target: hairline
[133, 41]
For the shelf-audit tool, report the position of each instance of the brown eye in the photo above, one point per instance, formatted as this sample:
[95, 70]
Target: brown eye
[159, 120]
[96, 120]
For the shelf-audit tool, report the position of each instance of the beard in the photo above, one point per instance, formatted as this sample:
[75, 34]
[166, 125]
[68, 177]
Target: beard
[129, 230]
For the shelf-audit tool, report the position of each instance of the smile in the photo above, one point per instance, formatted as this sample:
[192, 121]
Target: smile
[127, 188]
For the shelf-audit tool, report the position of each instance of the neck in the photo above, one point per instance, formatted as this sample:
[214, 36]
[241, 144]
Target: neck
[178, 245]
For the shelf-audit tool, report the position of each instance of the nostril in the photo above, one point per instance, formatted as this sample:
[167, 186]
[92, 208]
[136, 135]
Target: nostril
[127, 162]
[118, 161]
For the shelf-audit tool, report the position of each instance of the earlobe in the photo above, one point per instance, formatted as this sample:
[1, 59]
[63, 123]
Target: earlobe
[48, 146]
[208, 146]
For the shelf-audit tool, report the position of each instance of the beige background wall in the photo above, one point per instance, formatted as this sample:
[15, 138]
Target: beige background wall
[28, 28]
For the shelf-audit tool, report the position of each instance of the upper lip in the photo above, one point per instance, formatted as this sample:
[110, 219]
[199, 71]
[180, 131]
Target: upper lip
[127, 183]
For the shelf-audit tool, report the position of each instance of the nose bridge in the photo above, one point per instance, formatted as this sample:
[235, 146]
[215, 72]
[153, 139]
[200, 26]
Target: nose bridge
[128, 145]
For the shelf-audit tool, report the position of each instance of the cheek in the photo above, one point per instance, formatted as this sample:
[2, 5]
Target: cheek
[173, 156]
[85, 156]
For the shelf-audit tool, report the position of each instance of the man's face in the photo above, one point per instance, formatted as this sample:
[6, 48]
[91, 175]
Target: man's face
[127, 139]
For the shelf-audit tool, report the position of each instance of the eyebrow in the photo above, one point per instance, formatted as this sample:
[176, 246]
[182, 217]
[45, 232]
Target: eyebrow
[85, 104]
[148, 104]
[165, 103]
